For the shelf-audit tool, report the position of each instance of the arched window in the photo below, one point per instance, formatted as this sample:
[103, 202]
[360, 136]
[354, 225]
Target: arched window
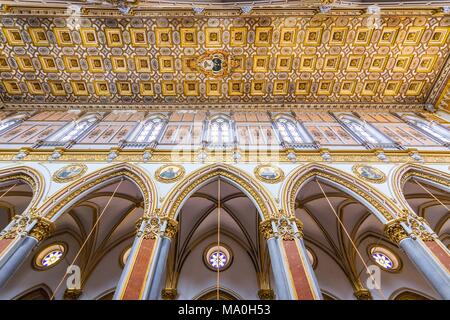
[75, 129]
[364, 130]
[220, 131]
[12, 121]
[288, 130]
[432, 128]
[148, 130]
[78, 128]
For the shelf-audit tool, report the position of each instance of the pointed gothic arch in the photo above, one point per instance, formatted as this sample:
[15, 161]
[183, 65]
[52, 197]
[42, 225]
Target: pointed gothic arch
[66, 197]
[383, 208]
[29, 176]
[185, 188]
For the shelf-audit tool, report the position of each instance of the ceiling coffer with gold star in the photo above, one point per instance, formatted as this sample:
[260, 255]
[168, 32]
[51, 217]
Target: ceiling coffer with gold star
[254, 59]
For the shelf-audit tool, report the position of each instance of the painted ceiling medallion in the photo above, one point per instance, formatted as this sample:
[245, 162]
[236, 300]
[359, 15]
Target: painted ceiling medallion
[213, 63]
[369, 173]
[269, 173]
[69, 173]
[170, 173]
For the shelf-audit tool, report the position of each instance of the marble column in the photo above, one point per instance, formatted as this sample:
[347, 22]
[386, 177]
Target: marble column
[22, 248]
[296, 279]
[157, 284]
[419, 247]
[145, 267]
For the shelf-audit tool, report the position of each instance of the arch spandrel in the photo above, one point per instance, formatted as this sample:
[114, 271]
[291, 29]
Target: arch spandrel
[28, 175]
[183, 190]
[343, 180]
[94, 180]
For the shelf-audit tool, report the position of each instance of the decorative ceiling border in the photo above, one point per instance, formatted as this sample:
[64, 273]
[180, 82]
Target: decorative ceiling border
[440, 85]
[86, 11]
[226, 156]
[219, 106]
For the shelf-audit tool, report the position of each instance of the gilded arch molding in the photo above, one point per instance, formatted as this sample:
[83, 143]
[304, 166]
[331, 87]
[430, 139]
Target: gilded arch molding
[300, 176]
[61, 199]
[31, 177]
[182, 191]
[405, 172]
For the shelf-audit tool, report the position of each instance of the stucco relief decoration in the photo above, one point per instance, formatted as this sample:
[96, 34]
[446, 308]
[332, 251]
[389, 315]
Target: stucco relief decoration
[170, 173]
[69, 173]
[269, 173]
[369, 173]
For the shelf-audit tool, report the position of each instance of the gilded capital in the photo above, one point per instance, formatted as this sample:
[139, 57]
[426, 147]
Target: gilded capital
[266, 294]
[363, 294]
[286, 230]
[169, 293]
[395, 231]
[152, 228]
[171, 228]
[265, 227]
[43, 229]
[72, 294]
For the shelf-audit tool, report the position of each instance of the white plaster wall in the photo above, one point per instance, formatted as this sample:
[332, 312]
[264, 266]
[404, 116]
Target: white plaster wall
[240, 277]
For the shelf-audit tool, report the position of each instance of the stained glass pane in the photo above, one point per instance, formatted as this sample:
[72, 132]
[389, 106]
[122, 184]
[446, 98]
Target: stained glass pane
[383, 260]
[51, 258]
[218, 259]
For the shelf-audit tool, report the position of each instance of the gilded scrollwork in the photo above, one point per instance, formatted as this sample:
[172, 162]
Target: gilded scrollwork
[418, 225]
[43, 229]
[395, 231]
[153, 227]
[363, 294]
[282, 228]
[17, 228]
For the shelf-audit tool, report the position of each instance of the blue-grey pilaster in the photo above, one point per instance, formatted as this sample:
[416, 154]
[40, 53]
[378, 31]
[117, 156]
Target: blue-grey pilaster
[15, 260]
[430, 268]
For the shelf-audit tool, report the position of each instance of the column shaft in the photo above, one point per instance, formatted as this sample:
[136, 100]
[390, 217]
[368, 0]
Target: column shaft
[19, 255]
[138, 270]
[303, 279]
[429, 266]
[282, 286]
[157, 282]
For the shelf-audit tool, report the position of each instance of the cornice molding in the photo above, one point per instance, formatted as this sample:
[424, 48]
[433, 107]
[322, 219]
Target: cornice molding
[10, 106]
[274, 9]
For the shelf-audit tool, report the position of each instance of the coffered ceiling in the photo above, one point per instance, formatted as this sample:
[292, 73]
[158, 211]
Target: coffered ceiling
[175, 58]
